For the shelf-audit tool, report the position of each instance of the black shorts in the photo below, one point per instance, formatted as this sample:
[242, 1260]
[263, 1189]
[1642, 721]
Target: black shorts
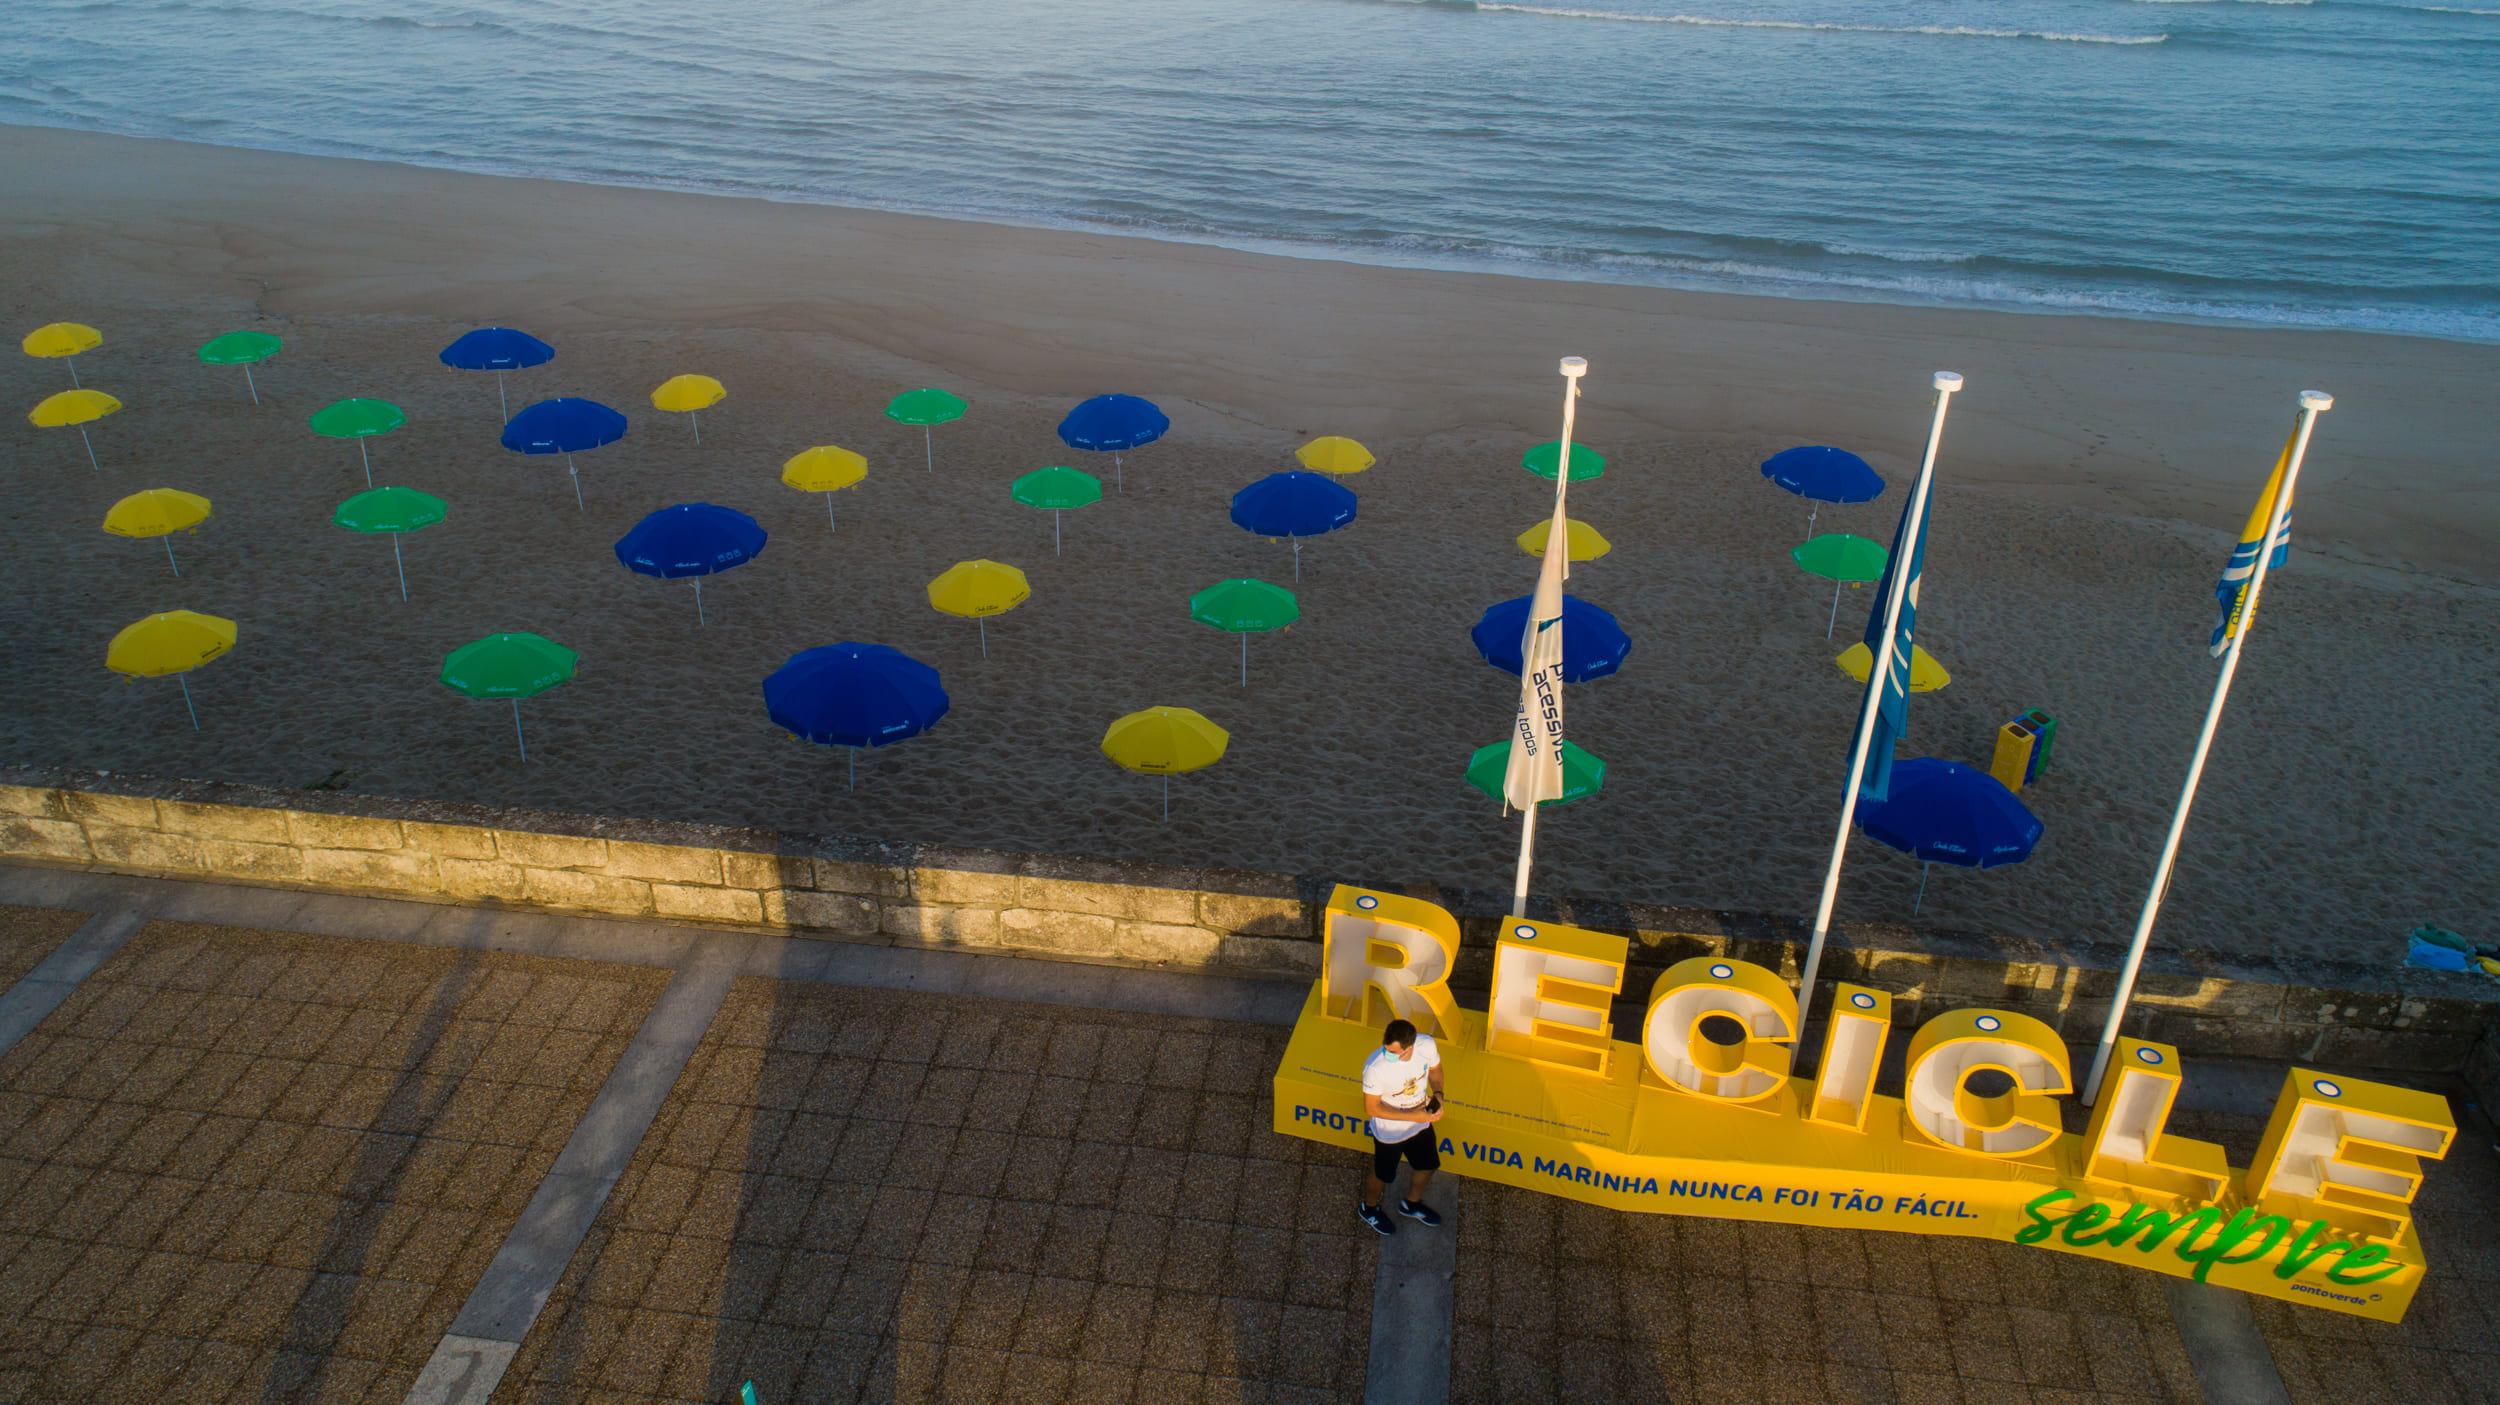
[1422, 1151]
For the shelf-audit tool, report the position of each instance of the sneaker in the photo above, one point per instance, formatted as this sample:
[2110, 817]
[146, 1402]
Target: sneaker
[1425, 1213]
[1376, 1217]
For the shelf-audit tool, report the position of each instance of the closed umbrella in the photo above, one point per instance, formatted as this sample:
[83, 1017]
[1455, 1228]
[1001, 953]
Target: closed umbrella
[1113, 424]
[854, 695]
[1057, 490]
[159, 513]
[1583, 775]
[358, 419]
[693, 539]
[497, 349]
[824, 469]
[1293, 505]
[392, 510]
[1584, 542]
[1944, 812]
[976, 590]
[925, 407]
[175, 642]
[1245, 607]
[1843, 560]
[683, 395]
[74, 407]
[1165, 741]
[513, 666]
[62, 340]
[1926, 675]
[565, 425]
[1822, 474]
[1334, 453]
[1593, 644]
[1545, 460]
[240, 349]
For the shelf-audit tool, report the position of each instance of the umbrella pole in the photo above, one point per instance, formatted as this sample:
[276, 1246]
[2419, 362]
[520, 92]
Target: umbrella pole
[503, 398]
[1810, 516]
[698, 426]
[1057, 517]
[928, 448]
[1923, 870]
[1167, 799]
[1527, 856]
[250, 384]
[577, 482]
[168, 539]
[854, 751]
[73, 370]
[1297, 560]
[830, 524]
[1834, 622]
[518, 734]
[1245, 660]
[186, 701]
[698, 601]
[363, 453]
[985, 637]
[1119, 484]
[401, 562]
[83, 439]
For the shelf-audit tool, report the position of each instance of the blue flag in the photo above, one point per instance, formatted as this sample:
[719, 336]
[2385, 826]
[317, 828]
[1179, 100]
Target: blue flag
[1892, 690]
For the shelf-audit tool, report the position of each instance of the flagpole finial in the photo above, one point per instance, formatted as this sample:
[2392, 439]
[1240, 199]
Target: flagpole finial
[1575, 366]
[2316, 400]
[1948, 380]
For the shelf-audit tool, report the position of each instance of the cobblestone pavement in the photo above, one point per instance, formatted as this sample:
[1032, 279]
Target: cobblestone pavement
[27, 936]
[859, 1195]
[254, 1167]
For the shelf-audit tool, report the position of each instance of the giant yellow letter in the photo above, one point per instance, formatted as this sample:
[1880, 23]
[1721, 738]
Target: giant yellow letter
[1553, 987]
[1675, 1036]
[1388, 958]
[1952, 1047]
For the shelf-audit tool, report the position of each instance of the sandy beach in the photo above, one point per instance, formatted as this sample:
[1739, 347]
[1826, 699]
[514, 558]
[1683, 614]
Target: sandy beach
[2090, 479]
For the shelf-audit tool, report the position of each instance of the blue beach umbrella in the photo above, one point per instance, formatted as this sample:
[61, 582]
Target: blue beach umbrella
[1112, 424]
[1593, 643]
[1944, 812]
[691, 539]
[1823, 475]
[497, 349]
[1294, 505]
[854, 695]
[567, 426]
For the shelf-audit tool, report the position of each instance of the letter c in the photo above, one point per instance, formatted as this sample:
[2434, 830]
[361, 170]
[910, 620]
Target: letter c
[1706, 988]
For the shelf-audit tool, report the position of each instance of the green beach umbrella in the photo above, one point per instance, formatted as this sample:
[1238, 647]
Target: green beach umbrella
[514, 666]
[1055, 490]
[925, 407]
[240, 349]
[1583, 774]
[392, 510]
[1841, 559]
[1245, 607]
[359, 420]
[1546, 459]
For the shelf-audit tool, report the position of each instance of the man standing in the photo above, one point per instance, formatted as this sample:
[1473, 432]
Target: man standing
[1402, 1096]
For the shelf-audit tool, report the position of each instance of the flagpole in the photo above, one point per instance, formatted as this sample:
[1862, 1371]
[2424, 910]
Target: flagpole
[1558, 538]
[1878, 679]
[2312, 403]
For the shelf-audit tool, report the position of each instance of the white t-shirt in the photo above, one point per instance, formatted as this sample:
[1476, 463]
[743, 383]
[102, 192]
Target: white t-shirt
[1401, 1083]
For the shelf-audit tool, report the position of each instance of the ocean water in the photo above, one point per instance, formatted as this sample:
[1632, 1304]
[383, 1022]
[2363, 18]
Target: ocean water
[2331, 163]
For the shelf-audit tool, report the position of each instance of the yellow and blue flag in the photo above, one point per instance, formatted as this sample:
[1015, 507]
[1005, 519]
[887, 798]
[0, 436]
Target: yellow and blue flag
[1891, 691]
[2241, 569]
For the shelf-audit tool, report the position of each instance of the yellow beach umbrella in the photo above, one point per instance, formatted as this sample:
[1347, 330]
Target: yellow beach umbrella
[683, 395]
[1165, 741]
[174, 642]
[1926, 675]
[824, 469]
[1334, 453]
[1584, 544]
[62, 339]
[977, 590]
[157, 512]
[75, 407]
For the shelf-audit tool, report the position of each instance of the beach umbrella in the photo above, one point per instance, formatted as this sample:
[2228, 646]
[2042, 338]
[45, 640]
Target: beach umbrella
[691, 539]
[75, 407]
[854, 695]
[824, 469]
[925, 407]
[514, 666]
[62, 339]
[175, 642]
[1841, 559]
[1942, 812]
[1334, 453]
[1584, 542]
[1113, 424]
[1926, 675]
[159, 513]
[360, 420]
[1245, 607]
[1545, 460]
[566, 425]
[1823, 475]
[497, 349]
[1057, 489]
[1583, 774]
[1294, 505]
[1593, 644]
[976, 590]
[1165, 741]
[240, 349]
[683, 395]
[392, 510]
